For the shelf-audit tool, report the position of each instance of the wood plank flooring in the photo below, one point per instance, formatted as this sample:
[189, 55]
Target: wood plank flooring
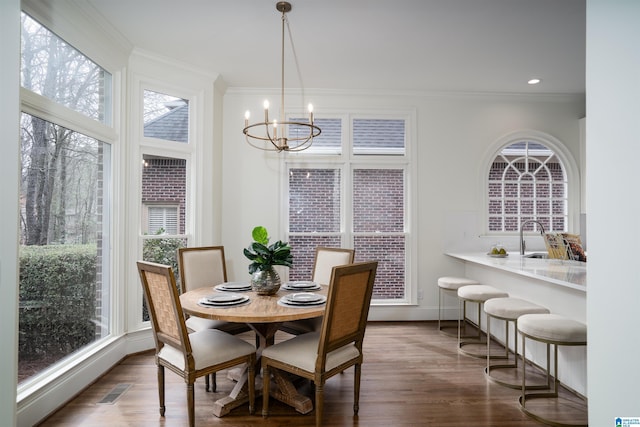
[412, 376]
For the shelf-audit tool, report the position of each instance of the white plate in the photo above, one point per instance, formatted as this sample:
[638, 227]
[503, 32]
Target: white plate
[224, 298]
[203, 302]
[287, 303]
[233, 286]
[301, 284]
[207, 303]
[304, 298]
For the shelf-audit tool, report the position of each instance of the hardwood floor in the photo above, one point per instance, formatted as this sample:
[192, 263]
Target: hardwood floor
[412, 376]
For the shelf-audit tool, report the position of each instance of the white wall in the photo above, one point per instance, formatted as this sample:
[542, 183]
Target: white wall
[452, 128]
[9, 174]
[613, 206]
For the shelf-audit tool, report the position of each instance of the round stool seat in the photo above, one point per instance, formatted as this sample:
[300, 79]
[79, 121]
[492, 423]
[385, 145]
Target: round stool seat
[512, 308]
[552, 328]
[480, 292]
[454, 283]
[509, 310]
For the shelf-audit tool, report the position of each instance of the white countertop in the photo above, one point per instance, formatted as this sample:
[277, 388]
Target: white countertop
[572, 274]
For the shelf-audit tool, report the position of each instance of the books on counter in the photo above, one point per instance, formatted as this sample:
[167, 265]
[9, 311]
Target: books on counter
[565, 246]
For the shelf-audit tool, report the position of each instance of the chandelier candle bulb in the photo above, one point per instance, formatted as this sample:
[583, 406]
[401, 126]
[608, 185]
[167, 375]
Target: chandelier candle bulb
[247, 115]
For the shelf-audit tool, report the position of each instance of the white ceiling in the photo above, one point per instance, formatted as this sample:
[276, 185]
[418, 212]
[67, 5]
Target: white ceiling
[418, 45]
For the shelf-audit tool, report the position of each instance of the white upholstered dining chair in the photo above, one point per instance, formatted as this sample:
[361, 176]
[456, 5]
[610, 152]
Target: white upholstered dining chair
[190, 355]
[320, 355]
[205, 266]
[324, 261]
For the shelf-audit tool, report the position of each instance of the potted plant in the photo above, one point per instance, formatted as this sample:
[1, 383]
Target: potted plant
[265, 280]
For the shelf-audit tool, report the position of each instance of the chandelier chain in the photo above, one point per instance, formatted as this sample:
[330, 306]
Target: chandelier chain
[295, 59]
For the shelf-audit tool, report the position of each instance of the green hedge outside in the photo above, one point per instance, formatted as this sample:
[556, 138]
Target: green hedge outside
[57, 299]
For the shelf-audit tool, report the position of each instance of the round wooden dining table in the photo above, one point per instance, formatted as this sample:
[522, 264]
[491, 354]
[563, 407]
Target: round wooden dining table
[264, 315]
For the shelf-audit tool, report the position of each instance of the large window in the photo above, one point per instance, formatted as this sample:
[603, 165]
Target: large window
[163, 188]
[526, 181]
[350, 190]
[65, 288]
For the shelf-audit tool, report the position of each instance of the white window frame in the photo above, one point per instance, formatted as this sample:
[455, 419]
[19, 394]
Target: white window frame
[160, 148]
[347, 161]
[564, 155]
[37, 105]
[154, 73]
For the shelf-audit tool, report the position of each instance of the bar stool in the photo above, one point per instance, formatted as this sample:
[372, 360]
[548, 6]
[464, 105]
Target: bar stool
[509, 309]
[450, 284]
[552, 329]
[477, 294]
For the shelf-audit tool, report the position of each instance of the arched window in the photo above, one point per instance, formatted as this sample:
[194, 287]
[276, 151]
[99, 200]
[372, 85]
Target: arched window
[527, 180]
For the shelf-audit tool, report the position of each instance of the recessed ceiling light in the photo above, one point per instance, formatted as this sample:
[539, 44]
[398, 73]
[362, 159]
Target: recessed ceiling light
[534, 81]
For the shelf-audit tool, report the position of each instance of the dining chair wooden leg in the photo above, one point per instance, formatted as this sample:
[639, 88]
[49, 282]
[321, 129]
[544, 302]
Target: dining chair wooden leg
[191, 405]
[319, 402]
[251, 371]
[356, 389]
[265, 390]
[210, 385]
[161, 389]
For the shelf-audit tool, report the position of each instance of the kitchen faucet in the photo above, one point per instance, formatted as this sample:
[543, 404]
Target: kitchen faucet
[522, 244]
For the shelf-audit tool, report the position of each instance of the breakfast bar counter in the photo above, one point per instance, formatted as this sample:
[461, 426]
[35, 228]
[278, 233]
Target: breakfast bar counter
[572, 274]
[559, 285]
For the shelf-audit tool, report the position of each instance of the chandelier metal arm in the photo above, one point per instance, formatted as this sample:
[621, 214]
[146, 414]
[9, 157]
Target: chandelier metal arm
[282, 143]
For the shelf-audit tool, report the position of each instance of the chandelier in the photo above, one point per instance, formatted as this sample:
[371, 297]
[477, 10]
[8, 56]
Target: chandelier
[281, 135]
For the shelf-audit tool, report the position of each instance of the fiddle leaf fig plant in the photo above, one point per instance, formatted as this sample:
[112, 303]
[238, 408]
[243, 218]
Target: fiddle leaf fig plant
[264, 256]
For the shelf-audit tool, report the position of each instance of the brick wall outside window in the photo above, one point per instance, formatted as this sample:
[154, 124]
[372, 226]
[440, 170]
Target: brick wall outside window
[164, 182]
[378, 200]
[314, 200]
[378, 207]
[314, 207]
[389, 251]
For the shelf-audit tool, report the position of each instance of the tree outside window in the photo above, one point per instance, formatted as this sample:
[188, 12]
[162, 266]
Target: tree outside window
[64, 275]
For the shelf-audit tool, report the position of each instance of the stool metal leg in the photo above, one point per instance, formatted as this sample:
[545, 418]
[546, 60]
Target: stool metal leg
[552, 394]
[442, 329]
[477, 339]
[516, 357]
[441, 294]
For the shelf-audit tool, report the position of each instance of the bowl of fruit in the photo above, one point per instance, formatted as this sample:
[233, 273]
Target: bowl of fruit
[498, 251]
